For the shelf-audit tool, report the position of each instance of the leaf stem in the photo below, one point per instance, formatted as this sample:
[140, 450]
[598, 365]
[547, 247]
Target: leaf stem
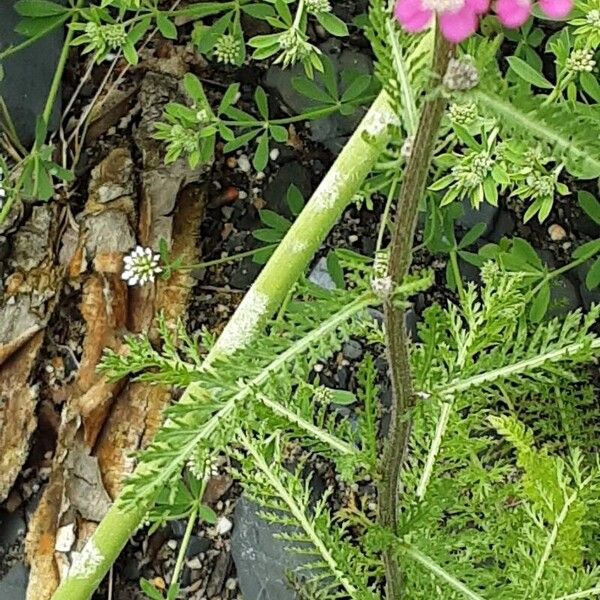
[225, 259]
[438, 571]
[316, 432]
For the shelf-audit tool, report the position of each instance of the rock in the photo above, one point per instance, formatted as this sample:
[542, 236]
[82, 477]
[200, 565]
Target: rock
[332, 131]
[12, 525]
[352, 350]
[564, 297]
[224, 526]
[588, 297]
[14, 584]
[320, 275]
[131, 570]
[503, 227]
[177, 528]
[557, 232]
[197, 545]
[28, 75]
[486, 213]
[261, 560]
[410, 322]
[243, 276]
[217, 578]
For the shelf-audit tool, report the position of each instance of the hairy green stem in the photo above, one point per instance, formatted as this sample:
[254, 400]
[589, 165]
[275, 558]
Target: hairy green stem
[413, 186]
[287, 263]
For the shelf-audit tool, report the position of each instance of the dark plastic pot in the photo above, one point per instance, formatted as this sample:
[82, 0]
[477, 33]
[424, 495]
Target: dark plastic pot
[27, 74]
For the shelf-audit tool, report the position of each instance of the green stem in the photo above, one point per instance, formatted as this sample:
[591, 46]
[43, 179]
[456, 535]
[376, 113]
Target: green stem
[184, 544]
[386, 214]
[595, 591]
[225, 259]
[413, 186]
[312, 430]
[528, 364]
[287, 263]
[557, 272]
[438, 571]
[456, 273]
[58, 74]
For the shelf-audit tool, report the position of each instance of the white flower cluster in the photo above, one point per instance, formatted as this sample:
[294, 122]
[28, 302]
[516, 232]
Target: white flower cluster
[581, 61]
[141, 266]
[318, 6]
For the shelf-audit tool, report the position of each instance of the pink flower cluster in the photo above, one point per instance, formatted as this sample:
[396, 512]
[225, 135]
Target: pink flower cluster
[459, 18]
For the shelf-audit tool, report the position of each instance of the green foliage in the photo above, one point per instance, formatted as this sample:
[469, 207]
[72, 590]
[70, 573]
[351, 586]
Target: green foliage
[505, 528]
[275, 225]
[333, 560]
[471, 511]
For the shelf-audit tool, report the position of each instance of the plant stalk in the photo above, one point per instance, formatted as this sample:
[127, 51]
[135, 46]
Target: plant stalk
[271, 287]
[411, 191]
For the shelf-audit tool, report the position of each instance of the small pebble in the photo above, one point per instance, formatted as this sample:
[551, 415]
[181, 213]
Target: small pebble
[172, 544]
[274, 154]
[231, 584]
[158, 583]
[231, 162]
[557, 232]
[242, 195]
[195, 563]
[224, 525]
[244, 163]
[260, 176]
[353, 238]
[318, 368]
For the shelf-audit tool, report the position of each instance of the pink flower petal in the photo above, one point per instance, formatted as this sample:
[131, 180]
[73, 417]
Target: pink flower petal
[478, 6]
[513, 13]
[412, 16]
[556, 9]
[458, 26]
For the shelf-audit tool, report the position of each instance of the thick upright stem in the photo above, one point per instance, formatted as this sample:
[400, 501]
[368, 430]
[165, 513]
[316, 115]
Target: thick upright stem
[287, 263]
[413, 185]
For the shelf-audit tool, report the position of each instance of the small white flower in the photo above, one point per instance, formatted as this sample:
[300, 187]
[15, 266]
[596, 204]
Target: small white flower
[141, 266]
[581, 61]
[318, 6]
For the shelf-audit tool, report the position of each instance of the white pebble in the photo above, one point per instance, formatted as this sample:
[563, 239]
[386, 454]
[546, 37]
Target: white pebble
[244, 163]
[557, 232]
[274, 154]
[224, 525]
[242, 195]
